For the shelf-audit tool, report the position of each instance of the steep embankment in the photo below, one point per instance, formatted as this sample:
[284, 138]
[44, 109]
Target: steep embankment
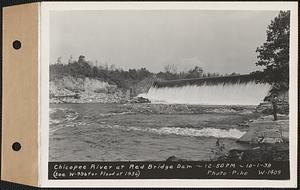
[85, 90]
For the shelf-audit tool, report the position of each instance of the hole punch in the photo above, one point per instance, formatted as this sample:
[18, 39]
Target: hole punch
[17, 44]
[16, 146]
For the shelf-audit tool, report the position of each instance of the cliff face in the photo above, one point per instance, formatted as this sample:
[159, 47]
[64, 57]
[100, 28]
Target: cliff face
[85, 90]
[68, 83]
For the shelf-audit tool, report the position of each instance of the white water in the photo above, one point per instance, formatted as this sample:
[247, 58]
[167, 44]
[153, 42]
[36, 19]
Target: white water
[229, 94]
[205, 132]
[231, 133]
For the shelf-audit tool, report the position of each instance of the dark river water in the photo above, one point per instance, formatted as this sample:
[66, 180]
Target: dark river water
[115, 132]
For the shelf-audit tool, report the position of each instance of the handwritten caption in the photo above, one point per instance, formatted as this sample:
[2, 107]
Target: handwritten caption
[168, 170]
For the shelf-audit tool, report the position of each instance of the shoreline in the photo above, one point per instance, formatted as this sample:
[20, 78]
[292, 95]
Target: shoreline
[265, 145]
[269, 140]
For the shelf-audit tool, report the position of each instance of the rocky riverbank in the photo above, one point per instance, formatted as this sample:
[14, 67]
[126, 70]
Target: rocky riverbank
[265, 130]
[85, 90]
[267, 140]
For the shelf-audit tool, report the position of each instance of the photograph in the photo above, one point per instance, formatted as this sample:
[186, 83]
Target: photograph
[151, 94]
[169, 85]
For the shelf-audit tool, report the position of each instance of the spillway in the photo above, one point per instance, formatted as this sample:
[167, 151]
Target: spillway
[232, 90]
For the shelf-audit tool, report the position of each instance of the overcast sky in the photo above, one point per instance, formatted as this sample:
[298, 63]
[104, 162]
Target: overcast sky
[218, 41]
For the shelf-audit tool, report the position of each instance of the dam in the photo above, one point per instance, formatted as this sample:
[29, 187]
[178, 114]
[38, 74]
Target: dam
[225, 90]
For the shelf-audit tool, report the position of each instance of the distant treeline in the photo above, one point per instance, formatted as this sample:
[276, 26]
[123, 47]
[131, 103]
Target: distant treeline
[123, 79]
[83, 68]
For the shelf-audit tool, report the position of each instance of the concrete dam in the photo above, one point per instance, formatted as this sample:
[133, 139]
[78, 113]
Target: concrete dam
[225, 90]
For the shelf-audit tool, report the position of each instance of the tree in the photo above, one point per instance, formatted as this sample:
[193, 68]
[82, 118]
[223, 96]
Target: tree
[196, 72]
[71, 60]
[81, 59]
[171, 68]
[112, 67]
[58, 61]
[273, 55]
[234, 74]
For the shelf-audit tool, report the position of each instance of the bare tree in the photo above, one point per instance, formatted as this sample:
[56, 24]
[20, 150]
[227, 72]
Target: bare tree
[171, 68]
[58, 61]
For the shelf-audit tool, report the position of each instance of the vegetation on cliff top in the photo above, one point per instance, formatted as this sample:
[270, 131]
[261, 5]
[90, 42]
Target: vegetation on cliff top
[83, 68]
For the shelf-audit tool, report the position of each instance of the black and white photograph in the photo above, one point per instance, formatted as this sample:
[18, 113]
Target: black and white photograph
[168, 86]
[141, 94]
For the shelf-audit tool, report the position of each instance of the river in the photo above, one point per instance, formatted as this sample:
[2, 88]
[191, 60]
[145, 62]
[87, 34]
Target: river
[142, 132]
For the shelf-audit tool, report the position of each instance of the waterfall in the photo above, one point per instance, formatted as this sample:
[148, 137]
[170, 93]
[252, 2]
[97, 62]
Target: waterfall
[246, 93]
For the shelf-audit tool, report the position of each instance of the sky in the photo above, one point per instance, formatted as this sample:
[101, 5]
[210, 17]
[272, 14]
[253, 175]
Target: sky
[217, 41]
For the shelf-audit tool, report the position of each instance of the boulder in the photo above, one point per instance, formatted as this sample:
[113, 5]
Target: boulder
[175, 159]
[140, 100]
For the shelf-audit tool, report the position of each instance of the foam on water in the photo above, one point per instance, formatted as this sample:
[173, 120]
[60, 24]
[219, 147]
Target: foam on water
[112, 114]
[65, 119]
[192, 132]
[205, 132]
[230, 94]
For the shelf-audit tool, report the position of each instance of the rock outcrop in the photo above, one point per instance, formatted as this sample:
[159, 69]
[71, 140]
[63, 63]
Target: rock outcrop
[85, 90]
[282, 105]
[140, 100]
[175, 159]
[266, 108]
[265, 130]
[277, 152]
